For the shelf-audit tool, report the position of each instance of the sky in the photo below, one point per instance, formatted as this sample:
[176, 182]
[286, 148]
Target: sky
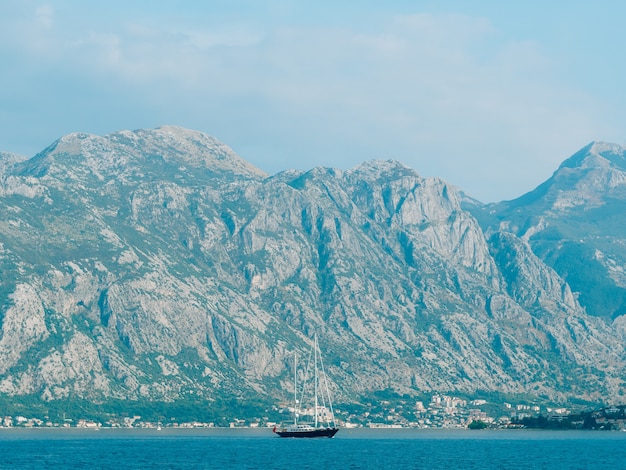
[491, 96]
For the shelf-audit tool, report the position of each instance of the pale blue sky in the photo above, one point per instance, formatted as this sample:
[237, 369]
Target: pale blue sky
[489, 95]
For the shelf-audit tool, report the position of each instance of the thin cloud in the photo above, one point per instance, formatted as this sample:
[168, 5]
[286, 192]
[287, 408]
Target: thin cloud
[45, 16]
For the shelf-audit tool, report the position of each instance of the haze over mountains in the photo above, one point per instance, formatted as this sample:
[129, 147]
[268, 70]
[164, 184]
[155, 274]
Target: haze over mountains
[158, 265]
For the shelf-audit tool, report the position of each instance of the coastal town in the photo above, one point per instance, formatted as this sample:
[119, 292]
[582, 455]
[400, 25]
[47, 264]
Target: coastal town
[441, 412]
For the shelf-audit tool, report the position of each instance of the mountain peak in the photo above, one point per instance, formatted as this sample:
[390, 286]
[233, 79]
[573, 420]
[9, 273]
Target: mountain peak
[193, 147]
[597, 155]
[171, 144]
[376, 169]
[601, 148]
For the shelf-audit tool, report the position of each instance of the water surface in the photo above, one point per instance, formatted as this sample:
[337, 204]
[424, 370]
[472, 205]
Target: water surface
[351, 448]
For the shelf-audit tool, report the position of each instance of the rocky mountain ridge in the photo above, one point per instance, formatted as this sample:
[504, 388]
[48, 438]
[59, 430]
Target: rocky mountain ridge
[158, 265]
[574, 222]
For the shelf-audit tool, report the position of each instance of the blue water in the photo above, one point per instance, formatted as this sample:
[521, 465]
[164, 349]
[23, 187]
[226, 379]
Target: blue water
[350, 449]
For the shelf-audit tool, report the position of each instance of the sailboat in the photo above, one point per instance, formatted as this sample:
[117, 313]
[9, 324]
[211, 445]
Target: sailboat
[323, 416]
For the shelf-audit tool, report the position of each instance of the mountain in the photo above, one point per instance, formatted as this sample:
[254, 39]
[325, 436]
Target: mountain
[575, 223]
[157, 265]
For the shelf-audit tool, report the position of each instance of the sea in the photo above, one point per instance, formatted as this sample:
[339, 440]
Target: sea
[350, 449]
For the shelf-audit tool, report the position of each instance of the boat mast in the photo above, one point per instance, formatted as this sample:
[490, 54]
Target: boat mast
[295, 387]
[330, 401]
[315, 361]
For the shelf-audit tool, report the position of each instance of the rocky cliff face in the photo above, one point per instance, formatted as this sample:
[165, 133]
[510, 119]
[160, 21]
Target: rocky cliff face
[157, 264]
